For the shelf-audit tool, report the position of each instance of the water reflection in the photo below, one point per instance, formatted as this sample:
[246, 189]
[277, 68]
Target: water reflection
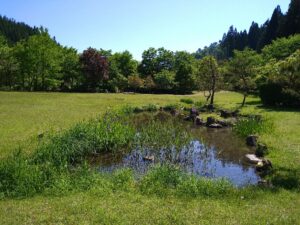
[213, 154]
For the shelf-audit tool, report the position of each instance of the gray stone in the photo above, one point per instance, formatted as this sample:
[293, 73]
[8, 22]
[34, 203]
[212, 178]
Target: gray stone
[199, 121]
[148, 158]
[210, 120]
[251, 140]
[253, 158]
[215, 125]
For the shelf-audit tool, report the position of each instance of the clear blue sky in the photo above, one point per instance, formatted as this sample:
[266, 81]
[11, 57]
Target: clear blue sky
[136, 25]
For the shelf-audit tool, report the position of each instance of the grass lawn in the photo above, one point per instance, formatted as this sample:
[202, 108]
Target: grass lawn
[24, 115]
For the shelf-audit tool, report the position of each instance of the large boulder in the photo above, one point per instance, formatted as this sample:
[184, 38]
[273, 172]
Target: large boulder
[251, 140]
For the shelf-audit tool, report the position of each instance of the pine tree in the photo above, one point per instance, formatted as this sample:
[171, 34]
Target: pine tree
[254, 35]
[292, 19]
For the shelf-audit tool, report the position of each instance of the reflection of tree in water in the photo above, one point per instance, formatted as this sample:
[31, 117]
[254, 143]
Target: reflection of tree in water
[211, 159]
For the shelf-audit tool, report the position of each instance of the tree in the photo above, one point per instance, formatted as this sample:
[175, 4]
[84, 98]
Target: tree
[280, 82]
[281, 48]
[243, 68]
[125, 63]
[40, 62]
[70, 69]
[272, 29]
[135, 82]
[165, 80]
[95, 68]
[15, 31]
[254, 35]
[213, 49]
[291, 25]
[8, 65]
[208, 77]
[156, 60]
[185, 72]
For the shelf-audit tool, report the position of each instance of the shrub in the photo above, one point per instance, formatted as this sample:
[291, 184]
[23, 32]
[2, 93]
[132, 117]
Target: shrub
[187, 101]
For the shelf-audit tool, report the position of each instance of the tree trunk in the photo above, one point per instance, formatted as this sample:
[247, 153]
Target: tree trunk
[244, 100]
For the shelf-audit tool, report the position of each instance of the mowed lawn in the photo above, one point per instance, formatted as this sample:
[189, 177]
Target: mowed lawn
[24, 115]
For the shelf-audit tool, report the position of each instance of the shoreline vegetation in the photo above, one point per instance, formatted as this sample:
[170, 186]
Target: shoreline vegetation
[159, 184]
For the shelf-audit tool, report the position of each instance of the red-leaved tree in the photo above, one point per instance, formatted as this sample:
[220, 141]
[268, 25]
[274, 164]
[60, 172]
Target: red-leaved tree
[95, 68]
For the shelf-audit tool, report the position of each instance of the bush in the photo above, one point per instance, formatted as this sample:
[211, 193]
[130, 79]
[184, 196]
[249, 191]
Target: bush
[187, 101]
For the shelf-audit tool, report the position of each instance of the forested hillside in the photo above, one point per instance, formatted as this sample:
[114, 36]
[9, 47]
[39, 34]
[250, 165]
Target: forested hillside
[15, 31]
[258, 36]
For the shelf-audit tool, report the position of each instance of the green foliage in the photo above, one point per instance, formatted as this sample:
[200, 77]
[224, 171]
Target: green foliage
[279, 83]
[253, 125]
[163, 179]
[185, 65]
[135, 82]
[242, 68]
[40, 62]
[281, 48]
[208, 77]
[188, 101]
[165, 80]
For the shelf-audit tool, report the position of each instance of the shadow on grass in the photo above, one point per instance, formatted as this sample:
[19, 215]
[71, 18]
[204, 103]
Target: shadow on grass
[286, 178]
[278, 109]
[254, 102]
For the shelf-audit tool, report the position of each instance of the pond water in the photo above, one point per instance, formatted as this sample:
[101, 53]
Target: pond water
[213, 153]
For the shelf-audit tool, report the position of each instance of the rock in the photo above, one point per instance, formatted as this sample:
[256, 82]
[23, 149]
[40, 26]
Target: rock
[215, 125]
[199, 121]
[251, 140]
[264, 165]
[210, 120]
[148, 158]
[194, 112]
[235, 113]
[253, 158]
[187, 118]
[225, 113]
[225, 123]
[261, 150]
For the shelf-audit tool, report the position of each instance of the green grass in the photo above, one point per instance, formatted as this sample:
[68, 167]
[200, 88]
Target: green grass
[24, 115]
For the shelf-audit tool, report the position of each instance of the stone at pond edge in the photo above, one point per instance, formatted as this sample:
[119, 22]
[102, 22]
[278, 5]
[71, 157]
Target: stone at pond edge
[215, 125]
[227, 114]
[251, 140]
[264, 165]
[253, 158]
[199, 121]
[210, 120]
[225, 123]
[148, 158]
[261, 150]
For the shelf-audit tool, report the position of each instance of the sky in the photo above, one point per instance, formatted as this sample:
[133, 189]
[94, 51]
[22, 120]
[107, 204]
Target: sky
[136, 25]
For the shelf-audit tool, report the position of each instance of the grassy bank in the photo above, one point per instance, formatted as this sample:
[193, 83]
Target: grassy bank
[24, 115]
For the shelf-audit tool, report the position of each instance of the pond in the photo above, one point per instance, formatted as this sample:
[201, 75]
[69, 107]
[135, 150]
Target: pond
[212, 153]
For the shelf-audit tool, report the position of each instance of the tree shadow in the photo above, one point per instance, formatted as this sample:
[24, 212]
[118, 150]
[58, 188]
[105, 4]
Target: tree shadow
[286, 178]
[278, 109]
